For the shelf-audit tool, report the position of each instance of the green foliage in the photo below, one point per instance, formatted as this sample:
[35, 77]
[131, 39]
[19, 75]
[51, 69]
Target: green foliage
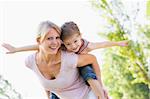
[125, 69]
[6, 90]
[148, 8]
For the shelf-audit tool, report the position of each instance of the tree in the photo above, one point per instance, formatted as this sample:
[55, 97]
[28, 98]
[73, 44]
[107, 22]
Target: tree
[125, 69]
[6, 90]
[148, 9]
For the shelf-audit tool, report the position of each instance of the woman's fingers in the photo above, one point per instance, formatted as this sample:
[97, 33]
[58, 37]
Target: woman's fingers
[9, 47]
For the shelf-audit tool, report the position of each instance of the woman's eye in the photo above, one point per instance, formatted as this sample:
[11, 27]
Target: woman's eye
[75, 41]
[49, 38]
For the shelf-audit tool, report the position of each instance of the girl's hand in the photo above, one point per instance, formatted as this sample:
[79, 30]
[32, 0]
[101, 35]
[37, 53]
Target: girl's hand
[10, 48]
[123, 43]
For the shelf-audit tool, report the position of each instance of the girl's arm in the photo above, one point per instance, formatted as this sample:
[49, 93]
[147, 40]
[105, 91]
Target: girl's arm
[12, 49]
[97, 45]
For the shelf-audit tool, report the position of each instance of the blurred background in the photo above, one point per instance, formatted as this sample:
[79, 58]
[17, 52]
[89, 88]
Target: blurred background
[125, 70]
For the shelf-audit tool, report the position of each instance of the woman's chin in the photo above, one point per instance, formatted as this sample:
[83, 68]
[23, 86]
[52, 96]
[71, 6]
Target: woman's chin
[54, 51]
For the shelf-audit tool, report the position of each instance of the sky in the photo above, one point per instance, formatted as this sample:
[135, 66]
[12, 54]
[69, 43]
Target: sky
[18, 26]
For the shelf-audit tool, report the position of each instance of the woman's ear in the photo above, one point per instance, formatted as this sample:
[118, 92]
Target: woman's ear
[38, 40]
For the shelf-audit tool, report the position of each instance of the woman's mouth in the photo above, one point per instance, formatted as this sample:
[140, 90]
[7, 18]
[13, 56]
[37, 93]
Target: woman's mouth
[53, 48]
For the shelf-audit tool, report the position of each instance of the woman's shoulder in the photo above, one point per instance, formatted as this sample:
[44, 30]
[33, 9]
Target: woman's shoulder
[31, 56]
[67, 53]
[30, 59]
[69, 59]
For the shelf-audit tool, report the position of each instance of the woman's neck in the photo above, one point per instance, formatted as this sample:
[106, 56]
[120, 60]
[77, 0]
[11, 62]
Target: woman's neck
[49, 58]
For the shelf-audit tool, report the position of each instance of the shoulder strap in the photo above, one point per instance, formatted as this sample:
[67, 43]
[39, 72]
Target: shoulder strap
[84, 45]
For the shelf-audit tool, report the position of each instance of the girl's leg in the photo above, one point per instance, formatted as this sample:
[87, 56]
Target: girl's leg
[96, 88]
[53, 96]
[90, 78]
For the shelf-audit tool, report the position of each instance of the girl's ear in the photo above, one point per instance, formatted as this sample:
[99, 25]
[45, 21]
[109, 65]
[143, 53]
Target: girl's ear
[80, 35]
[61, 42]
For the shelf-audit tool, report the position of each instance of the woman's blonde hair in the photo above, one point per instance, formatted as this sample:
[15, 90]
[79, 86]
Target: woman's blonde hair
[44, 28]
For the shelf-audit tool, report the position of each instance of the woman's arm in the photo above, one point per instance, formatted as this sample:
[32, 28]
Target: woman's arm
[85, 59]
[12, 49]
[105, 44]
[48, 94]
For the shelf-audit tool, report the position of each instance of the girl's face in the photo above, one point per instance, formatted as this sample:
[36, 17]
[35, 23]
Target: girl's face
[51, 43]
[73, 43]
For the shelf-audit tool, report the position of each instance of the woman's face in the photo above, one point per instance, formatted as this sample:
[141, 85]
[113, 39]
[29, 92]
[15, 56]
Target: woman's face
[51, 43]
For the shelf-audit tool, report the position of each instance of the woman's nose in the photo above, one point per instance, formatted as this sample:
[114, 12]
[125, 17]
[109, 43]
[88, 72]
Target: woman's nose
[53, 41]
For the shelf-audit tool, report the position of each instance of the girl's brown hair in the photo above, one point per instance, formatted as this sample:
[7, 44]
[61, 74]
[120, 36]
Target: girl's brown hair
[68, 29]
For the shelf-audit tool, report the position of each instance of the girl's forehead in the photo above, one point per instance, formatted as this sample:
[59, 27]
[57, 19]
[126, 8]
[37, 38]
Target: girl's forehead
[72, 38]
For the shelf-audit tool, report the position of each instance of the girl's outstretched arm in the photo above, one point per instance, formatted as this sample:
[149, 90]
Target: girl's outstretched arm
[105, 44]
[12, 49]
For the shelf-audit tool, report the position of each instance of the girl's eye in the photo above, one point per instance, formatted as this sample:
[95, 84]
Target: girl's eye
[67, 44]
[57, 37]
[75, 41]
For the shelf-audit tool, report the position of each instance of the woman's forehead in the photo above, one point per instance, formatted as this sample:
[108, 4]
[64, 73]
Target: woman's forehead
[53, 32]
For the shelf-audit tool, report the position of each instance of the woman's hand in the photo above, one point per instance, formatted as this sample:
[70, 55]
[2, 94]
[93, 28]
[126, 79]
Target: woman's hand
[10, 48]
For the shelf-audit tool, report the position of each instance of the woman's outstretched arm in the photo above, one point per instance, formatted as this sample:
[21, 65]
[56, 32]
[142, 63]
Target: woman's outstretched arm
[85, 59]
[12, 49]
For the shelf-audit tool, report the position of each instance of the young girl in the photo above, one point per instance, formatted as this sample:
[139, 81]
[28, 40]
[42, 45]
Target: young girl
[73, 42]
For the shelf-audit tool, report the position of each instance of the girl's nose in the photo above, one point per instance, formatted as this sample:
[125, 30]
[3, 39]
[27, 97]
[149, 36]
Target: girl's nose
[73, 45]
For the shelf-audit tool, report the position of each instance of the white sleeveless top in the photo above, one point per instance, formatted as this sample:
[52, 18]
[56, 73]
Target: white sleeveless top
[68, 83]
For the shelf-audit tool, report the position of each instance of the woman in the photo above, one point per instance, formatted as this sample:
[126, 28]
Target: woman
[57, 69]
